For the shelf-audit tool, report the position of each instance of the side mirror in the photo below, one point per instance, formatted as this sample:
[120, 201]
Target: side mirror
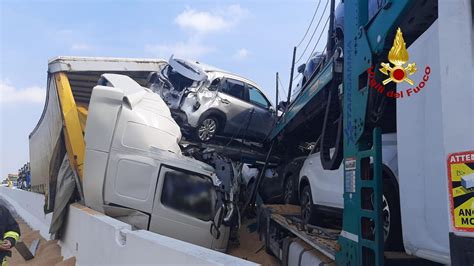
[301, 68]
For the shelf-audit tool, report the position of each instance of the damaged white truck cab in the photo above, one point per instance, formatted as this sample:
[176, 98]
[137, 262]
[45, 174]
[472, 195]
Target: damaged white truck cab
[134, 163]
[209, 101]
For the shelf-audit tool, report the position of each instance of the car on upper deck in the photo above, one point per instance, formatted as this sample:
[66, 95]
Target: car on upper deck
[206, 101]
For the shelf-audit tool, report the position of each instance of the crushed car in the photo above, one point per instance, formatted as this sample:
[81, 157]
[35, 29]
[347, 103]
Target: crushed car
[207, 101]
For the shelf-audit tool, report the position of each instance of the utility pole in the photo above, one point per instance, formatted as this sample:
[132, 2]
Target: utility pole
[276, 101]
[291, 77]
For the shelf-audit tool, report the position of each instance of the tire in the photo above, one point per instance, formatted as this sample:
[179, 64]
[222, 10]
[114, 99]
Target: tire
[289, 191]
[308, 210]
[391, 217]
[207, 129]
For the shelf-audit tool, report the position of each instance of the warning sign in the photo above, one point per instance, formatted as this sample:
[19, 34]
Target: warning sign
[461, 190]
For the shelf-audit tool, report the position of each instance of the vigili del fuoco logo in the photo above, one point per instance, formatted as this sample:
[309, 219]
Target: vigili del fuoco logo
[397, 71]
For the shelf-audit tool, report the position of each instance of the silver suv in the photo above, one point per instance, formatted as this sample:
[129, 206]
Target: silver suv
[206, 101]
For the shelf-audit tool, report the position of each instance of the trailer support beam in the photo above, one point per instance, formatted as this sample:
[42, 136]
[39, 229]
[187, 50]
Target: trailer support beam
[73, 136]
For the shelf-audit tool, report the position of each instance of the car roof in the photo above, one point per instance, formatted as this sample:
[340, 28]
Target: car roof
[208, 69]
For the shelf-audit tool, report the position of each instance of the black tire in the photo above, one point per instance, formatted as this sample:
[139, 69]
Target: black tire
[394, 240]
[289, 191]
[309, 214]
[207, 129]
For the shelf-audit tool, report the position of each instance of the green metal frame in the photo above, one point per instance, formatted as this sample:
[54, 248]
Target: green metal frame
[361, 240]
[311, 91]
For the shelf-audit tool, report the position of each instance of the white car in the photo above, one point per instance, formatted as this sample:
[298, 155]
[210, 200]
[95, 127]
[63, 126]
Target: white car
[321, 191]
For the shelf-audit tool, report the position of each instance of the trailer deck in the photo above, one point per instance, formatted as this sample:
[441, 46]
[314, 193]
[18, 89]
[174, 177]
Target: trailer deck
[284, 220]
[326, 246]
[244, 151]
[321, 241]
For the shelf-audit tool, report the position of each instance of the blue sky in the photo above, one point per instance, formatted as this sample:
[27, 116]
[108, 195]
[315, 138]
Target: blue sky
[252, 38]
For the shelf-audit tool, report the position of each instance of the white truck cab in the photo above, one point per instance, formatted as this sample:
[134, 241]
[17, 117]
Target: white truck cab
[134, 164]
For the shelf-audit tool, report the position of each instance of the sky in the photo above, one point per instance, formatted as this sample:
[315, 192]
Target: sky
[252, 38]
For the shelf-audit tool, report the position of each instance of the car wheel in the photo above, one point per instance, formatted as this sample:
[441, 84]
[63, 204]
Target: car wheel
[308, 211]
[289, 195]
[207, 129]
[392, 226]
[391, 222]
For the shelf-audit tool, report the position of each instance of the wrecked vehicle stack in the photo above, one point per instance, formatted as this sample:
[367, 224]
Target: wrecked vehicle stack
[207, 101]
[134, 168]
[121, 151]
[343, 174]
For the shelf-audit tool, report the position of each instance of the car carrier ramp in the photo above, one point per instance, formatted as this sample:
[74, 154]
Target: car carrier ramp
[282, 222]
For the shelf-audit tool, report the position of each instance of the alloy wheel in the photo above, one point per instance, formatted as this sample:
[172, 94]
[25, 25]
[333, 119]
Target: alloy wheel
[207, 130]
[385, 216]
[306, 207]
[288, 192]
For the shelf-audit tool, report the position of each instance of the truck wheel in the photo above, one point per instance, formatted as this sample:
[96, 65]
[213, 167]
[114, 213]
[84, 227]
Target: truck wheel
[392, 226]
[207, 129]
[308, 211]
[289, 193]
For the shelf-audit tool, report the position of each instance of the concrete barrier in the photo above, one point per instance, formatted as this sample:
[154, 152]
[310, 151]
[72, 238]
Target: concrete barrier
[29, 206]
[94, 238]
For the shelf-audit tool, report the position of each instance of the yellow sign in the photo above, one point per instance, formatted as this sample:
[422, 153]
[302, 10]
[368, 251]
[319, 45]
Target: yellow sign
[461, 190]
[398, 56]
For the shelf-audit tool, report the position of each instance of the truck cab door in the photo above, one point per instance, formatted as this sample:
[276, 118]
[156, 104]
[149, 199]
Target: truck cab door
[184, 206]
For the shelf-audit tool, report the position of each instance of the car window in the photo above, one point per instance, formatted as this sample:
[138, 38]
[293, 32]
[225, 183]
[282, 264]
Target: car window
[257, 98]
[234, 88]
[191, 194]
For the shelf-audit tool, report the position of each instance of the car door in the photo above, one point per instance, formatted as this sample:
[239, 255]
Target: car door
[326, 185]
[233, 103]
[263, 118]
[184, 206]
